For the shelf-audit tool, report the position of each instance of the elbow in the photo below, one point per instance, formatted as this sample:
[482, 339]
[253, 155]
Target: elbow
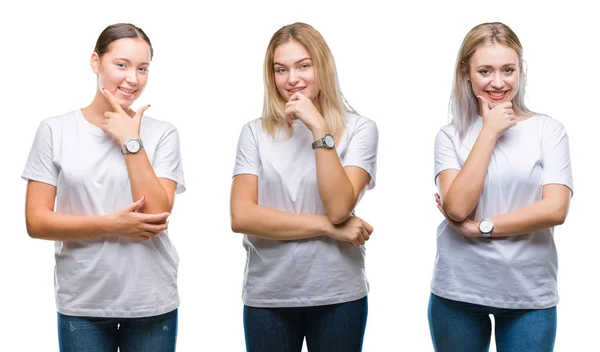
[560, 216]
[238, 222]
[457, 215]
[337, 218]
[32, 229]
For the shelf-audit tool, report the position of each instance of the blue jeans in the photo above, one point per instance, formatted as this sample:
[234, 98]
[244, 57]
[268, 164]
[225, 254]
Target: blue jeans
[331, 328]
[459, 326]
[149, 334]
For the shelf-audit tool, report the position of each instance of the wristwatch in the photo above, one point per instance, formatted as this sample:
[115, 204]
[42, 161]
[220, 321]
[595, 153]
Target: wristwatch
[328, 142]
[486, 226]
[132, 146]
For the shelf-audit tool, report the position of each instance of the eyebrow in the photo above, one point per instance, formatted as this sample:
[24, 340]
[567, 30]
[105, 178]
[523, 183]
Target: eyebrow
[490, 66]
[306, 58]
[128, 61]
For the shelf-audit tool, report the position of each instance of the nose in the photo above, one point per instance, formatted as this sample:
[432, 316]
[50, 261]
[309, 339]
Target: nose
[497, 82]
[132, 77]
[293, 78]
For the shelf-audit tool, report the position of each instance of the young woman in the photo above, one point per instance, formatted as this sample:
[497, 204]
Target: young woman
[300, 171]
[101, 183]
[504, 180]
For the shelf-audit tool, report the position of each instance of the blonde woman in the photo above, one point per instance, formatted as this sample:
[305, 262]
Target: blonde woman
[300, 171]
[504, 180]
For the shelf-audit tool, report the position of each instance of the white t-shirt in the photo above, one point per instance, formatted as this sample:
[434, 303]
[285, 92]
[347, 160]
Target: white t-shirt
[517, 272]
[307, 272]
[113, 276]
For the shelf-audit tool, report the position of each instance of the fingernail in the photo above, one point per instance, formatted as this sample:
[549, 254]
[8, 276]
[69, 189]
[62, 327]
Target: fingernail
[102, 89]
[148, 105]
[143, 197]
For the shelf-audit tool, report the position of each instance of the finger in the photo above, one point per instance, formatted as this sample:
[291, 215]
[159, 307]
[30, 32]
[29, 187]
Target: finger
[485, 107]
[110, 114]
[365, 235]
[154, 218]
[136, 205]
[140, 112]
[296, 96]
[156, 229]
[367, 227]
[442, 211]
[438, 200]
[112, 100]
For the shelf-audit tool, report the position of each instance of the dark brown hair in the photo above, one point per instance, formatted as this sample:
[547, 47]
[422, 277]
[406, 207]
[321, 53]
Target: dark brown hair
[119, 31]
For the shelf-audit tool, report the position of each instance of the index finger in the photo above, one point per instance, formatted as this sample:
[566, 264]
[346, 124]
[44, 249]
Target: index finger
[112, 100]
[367, 227]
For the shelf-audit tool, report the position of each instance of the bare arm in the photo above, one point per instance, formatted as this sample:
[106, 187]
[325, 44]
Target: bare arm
[339, 187]
[44, 223]
[550, 211]
[249, 218]
[461, 189]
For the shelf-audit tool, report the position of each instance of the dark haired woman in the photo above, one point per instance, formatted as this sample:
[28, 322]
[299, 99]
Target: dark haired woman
[101, 184]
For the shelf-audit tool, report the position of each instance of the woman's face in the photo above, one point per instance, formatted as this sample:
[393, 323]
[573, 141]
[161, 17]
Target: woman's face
[294, 71]
[494, 73]
[123, 69]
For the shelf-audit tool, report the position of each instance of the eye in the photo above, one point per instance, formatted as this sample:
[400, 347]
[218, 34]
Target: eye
[121, 65]
[303, 66]
[484, 71]
[280, 70]
[143, 69]
[509, 70]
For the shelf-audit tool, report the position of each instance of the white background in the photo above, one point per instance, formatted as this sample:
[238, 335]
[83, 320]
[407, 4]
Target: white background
[395, 65]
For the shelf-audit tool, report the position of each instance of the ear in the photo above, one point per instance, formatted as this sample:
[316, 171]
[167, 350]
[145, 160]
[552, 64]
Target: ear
[95, 63]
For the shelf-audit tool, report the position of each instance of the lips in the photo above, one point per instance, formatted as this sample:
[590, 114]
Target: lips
[128, 93]
[496, 95]
[296, 90]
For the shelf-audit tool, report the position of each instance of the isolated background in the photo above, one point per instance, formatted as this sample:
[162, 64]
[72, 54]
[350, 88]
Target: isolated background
[395, 65]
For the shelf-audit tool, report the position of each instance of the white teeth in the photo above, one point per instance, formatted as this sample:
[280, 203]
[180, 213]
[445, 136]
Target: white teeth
[495, 94]
[296, 90]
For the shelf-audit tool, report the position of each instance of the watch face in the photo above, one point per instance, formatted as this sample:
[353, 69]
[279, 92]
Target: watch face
[329, 141]
[133, 146]
[486, 226]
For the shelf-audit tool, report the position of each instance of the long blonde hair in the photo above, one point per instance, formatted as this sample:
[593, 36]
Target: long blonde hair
[463, 103]
[330, 99]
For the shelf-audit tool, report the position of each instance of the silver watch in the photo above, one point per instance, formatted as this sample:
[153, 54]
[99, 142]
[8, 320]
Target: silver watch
[486, 226]
[328, 142]
[132, 146]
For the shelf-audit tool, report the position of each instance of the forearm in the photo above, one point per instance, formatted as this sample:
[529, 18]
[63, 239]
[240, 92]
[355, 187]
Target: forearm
[537, 216]
[335, 188]
[49, 225]
[465, 190]
[144, 182]
[271, 224]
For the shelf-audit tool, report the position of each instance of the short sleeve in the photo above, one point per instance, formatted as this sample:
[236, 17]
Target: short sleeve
[247, 160]
[445, 154]
[556, 155]
[167, 158]
[40, 164]
[362, 148]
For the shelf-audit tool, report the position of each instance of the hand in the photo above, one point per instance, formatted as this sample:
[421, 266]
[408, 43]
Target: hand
[467, 227]
[118, 124]
[499, 119]
[128, 222]
[354, 230]
[301, 108]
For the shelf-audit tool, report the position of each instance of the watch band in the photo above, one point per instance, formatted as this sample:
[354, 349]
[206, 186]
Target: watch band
[318, 143]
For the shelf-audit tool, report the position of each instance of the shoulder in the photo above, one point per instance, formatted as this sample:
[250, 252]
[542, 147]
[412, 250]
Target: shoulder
[448, 131]
[355, 121]
[59, 120]
[157, 125]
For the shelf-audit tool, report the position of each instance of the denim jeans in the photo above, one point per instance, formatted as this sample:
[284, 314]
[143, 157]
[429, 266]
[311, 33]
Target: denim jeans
[331, 328]
[459, 326]
[148, 334]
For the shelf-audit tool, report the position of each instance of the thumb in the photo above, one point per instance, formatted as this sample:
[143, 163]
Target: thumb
[137, 205]
[484, 104]
[140, 112]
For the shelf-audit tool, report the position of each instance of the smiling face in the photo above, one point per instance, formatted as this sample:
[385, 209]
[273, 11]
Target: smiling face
[123, 69]
[494, 73]
[294, 71]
